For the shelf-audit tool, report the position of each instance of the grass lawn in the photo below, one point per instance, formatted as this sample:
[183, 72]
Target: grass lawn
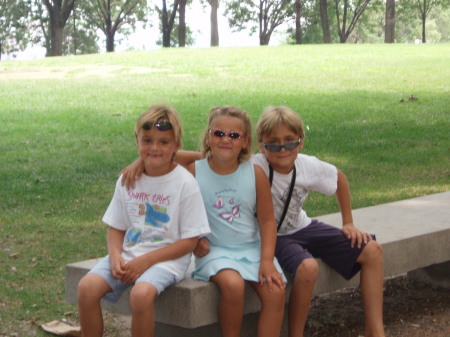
[66, 130]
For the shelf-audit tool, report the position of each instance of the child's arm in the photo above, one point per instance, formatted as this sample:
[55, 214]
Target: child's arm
[115, 242]
[268, 230]
[133, 172]
[185, 158]
[138, 265]
[345, 206]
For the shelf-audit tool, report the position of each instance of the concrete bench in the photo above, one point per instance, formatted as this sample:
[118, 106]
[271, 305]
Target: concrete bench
[414, 234]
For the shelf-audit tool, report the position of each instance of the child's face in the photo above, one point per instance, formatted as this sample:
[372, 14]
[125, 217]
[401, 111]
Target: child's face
[157, 149]
[282, 161]
[226, 138]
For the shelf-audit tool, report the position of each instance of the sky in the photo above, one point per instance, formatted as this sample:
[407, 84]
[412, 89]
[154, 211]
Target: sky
[197, 18]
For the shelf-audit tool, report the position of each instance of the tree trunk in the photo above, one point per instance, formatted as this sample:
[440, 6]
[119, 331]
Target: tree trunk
[182, 24]
[214, 23]
[324, 20]
[59, 12]
[424, 19]
[389, 30]
[298, 25]
[165, 25]
[57, 38]
[110, 41]
[264, 39]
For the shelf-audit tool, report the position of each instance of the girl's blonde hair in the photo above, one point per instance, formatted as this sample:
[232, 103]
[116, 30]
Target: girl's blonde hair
[159, 112]
[274, 116]
[229, 111]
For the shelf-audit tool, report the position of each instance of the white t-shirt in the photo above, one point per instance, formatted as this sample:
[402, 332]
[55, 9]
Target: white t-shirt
[312, 174]
[158, 212]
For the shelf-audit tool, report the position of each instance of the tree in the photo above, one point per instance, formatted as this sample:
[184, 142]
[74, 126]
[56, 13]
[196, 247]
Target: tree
[324, 21]
[13, 25]
[112, 16]
[214, 22]
[298, 17]
[343, 9]
[267, 14]
[182, 23]
[59, 12]
[80, 37]
[425, 7]
[389, 30]
[167, 18]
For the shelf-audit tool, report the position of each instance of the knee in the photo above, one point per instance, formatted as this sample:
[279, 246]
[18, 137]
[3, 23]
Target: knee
[372, 252]
[231, 285]
[307, 272]
[142, 297]
[88, 289]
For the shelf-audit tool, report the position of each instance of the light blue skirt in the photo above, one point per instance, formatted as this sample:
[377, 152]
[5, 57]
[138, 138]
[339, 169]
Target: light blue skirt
[244, 260]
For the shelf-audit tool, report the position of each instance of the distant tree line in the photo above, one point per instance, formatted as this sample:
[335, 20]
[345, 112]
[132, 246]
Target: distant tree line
[71, 26]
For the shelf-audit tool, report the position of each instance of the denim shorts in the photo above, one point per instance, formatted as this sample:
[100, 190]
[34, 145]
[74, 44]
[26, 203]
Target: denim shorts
[322, 241]
[157, 277]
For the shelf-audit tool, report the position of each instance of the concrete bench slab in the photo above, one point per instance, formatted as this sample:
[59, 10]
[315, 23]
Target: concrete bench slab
[414, 233]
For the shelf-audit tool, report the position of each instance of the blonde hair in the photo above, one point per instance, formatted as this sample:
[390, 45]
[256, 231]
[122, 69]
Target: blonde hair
[276, 116]
[158, 112]
[230, 111]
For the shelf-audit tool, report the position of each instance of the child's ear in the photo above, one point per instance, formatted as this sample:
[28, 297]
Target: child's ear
[260, 147]
[300, 147]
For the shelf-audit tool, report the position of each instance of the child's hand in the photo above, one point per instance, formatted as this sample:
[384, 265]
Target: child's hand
[133, 270]
[117, 265]
[202, 248]
[268, 273]
[355, 235]
[132, 172]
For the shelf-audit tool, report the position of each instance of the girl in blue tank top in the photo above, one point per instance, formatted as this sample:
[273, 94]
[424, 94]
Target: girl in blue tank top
[241, 245]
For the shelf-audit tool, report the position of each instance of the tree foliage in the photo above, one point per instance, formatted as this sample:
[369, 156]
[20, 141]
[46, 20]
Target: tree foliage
[348, 13]
[264, 15]
[425, 7]
[13, 25]
[167, 20]
[112, 16]
[80, 37]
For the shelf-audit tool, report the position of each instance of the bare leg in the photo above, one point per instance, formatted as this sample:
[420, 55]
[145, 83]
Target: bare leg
[371, 283]
[91, 289]
[231, 306]
[142, 298]
[272, 309]
[301, 294]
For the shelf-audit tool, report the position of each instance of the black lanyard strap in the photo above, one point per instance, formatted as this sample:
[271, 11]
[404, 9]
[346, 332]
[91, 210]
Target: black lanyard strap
[291, 189]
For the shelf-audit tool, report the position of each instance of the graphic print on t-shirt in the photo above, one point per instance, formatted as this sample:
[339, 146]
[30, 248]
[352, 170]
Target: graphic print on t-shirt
[156, 216]
[228, 209]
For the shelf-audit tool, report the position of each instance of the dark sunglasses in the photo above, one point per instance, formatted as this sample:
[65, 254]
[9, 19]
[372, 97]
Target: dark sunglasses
[160, 125]
[277, 147]
[233, 135]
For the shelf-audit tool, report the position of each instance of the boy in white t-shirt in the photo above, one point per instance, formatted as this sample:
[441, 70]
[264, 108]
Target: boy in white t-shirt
[152, 229]
[300, 239]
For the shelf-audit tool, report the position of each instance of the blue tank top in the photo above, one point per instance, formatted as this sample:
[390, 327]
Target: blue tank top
[230, 202]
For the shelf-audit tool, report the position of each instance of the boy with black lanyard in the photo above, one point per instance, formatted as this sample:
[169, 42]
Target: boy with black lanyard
[301, 239]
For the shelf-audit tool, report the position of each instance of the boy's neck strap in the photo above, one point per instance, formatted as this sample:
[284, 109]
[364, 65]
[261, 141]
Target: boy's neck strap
[291, 189]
